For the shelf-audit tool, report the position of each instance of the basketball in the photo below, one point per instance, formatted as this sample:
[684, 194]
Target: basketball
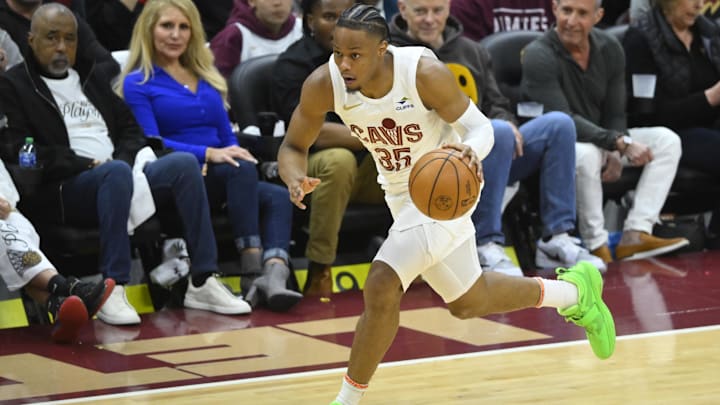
[442, 186]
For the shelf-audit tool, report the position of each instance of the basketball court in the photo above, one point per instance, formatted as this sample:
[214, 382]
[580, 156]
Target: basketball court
[667, 313]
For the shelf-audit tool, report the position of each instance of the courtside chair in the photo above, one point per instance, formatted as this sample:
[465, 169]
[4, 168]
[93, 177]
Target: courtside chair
[506, 49]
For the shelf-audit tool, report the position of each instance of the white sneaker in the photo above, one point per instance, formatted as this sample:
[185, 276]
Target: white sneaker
[117, 310]
[564, 251]
[214, 296]
[493, 258]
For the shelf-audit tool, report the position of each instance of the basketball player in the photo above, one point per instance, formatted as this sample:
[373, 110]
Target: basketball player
[402, 103]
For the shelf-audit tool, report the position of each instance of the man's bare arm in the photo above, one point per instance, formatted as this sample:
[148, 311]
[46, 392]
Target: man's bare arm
[316, 99]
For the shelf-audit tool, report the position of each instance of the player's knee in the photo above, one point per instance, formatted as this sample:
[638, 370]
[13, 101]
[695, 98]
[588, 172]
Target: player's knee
[473, 303]
[462, 310]
[383, 289]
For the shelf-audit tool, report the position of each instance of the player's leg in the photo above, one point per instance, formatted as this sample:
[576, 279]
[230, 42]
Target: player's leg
[375, 331]
[391, 273]
[577, 294]
[379, 322]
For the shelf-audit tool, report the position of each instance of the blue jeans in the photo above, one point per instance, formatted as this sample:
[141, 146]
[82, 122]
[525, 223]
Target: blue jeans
[175, 176]
[101, 197]
[255, 207]
[549, 146]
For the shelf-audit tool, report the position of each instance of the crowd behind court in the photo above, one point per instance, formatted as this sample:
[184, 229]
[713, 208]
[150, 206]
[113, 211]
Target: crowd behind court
[127, 103]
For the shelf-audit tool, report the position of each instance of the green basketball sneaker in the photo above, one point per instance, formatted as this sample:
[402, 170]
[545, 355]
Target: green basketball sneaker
[590, 312]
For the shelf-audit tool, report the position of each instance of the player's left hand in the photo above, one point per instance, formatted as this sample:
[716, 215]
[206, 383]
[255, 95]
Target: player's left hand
[469, 156]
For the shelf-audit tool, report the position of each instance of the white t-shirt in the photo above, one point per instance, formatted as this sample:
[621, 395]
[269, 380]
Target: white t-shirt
[86, 128]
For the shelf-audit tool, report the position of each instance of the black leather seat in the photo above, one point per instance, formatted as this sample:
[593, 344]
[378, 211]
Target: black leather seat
[249, 89]
[505, 49]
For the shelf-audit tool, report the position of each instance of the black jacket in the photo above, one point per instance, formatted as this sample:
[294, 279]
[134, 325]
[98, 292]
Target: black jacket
[652, 47]
[31, 111]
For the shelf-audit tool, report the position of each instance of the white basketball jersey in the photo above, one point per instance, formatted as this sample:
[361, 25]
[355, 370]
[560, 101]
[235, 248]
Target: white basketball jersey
[396, 128]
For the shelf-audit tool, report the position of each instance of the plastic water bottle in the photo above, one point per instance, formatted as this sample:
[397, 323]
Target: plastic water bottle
[27, 157]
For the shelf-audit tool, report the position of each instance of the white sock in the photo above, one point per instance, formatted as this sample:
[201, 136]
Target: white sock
[350, 392]
[557, 293]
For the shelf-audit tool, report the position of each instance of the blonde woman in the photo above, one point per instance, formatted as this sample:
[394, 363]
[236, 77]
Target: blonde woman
[176, 93]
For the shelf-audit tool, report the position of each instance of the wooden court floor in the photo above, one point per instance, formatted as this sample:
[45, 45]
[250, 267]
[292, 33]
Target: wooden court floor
[667, 314]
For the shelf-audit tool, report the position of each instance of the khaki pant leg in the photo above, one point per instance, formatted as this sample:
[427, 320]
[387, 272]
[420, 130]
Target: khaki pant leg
[337, 169]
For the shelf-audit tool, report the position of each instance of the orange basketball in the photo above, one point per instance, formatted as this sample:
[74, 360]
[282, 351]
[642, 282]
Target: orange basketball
[442, 186]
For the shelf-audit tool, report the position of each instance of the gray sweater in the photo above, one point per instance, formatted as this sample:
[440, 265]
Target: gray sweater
[594, 98]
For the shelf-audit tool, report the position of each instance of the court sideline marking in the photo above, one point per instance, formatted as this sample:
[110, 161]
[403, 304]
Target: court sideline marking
[382, 365]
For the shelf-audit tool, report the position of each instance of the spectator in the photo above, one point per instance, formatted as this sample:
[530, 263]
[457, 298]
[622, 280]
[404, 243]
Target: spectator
[333, 156]
[15, 18]
[23, 265]
[266, 27]
[545, 144]
[214, 15]
[176, 93]
[9, 52]
[87, 143]
[581, 70]
[113, 21]
[680, 48]
[480, 18]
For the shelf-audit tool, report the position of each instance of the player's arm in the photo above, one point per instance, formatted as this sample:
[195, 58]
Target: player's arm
[316, 99]
[439, 91]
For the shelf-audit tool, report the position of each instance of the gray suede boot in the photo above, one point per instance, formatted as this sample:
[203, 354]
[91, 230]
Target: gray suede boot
[271, 288]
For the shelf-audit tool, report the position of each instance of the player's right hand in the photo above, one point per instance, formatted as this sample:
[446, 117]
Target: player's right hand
[300, 189]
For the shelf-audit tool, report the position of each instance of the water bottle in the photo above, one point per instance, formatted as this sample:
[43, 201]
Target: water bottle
[27, 157]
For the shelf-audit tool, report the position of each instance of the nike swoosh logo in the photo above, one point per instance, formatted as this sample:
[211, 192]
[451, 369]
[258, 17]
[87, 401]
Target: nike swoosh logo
[350, 107]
